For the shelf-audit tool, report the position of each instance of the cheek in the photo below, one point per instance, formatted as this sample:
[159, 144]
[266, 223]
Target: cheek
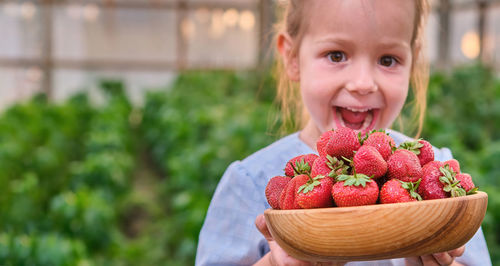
[396, 90]
[395, 97]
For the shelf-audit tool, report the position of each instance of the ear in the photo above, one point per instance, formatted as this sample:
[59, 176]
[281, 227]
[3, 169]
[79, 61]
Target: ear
[290, 61]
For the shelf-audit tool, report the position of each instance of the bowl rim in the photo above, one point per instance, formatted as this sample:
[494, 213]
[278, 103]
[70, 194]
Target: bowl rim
[478, 195]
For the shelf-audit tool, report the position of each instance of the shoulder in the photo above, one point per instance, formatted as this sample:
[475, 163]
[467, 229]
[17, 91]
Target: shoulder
[440, 153]
[270, 161]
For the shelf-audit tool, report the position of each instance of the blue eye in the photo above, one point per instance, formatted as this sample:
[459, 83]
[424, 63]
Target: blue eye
[336, 56]
[387, 61]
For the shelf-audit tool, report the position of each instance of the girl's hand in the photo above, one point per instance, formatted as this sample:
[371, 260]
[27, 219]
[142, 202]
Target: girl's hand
[277, 256]
[443, 258]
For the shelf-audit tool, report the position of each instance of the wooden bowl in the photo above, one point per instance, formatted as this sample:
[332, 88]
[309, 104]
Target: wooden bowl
[379, 231]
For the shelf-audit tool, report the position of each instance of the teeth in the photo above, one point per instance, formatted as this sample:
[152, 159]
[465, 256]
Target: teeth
[368, 121]
[357, 109]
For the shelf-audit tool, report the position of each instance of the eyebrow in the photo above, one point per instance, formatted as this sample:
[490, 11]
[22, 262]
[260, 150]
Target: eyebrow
[386, 44]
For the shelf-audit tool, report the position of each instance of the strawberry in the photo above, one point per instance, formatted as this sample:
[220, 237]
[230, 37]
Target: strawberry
[382, 142]
[394, 191]
[367, 160]
[454, 165]
[430, 187]
[404, 165]
[466, 182]
[315, 193]
[430, 165]
[422, 148]
[301, 163]
[439, 182]
[343, 143]
[274, 188]
[287, 197]
[354, 190]
[328, 166]
[323, 141]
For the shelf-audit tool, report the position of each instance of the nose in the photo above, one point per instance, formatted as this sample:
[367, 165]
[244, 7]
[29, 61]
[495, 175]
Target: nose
[361, 78]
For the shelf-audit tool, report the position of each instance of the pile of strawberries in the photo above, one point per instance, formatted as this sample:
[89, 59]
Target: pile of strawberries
[355, 170]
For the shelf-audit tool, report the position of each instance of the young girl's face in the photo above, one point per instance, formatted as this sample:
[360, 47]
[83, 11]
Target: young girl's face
[354, 63]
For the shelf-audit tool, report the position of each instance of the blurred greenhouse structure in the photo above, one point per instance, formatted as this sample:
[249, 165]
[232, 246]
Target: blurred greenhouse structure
[60, 46]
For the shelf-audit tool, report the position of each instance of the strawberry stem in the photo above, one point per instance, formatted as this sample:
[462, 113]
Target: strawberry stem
[295, 170]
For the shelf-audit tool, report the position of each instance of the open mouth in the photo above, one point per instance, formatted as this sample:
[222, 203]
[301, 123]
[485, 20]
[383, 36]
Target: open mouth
[358, 119]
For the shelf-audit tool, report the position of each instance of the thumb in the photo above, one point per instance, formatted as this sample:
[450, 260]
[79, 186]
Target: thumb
[260, 223]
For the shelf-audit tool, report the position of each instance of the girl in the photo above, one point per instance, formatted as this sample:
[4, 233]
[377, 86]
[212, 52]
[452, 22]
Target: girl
[352, 62]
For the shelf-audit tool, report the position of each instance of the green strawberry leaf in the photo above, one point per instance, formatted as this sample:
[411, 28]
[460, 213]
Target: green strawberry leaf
[472, 191]
[310, 185]
[342, 177]
[413, 146]
[349, 182]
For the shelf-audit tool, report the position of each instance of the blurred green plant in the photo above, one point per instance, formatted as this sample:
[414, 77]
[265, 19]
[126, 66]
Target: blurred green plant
[195, 129]
[65, 168]
[464, 115]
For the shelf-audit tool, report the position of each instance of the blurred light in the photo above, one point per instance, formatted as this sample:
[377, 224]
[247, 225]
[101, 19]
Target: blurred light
[217, 27]
[202, 15]
[34, 74]
[11, 9]
[470, 45]
[247, 20]
[231, 17]
[91, 12]
[188, 28]
[28, 10]
[74, 11]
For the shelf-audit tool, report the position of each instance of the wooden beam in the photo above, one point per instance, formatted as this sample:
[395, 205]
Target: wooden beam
[120, 65]
[46, 64]
[444, 31]
[481, 28]
[151, 4]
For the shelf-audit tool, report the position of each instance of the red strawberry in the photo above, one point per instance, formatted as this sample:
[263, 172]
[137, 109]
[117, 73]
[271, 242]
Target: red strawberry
[404, 165]
[323, 141]
[466, 182]
[367, 160]
[301, 163]
[430, 187]
[439, 182]
[316, 193]
[422, 148]
[382, 142]
[454, 165]
[328, 166]
[354, 190]
[274, 188]
[430, 165]
[343, 143]
[287, 197]
[395, 191]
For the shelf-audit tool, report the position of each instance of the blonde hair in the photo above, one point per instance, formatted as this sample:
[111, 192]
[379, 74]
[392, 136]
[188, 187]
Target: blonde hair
[288, 92]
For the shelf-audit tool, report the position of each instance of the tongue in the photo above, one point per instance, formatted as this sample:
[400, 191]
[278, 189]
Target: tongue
[353, 117]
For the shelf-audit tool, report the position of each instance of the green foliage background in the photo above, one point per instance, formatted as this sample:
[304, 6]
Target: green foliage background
[120, 185]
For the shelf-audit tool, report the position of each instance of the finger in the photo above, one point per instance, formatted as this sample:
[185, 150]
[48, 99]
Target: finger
[413, 261]
[429, 260]
[457, 252]
[443, 258]
[260, 223]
